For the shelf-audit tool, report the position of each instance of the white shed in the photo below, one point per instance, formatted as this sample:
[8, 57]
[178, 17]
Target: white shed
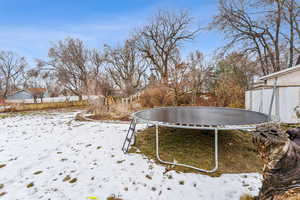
[282, 90]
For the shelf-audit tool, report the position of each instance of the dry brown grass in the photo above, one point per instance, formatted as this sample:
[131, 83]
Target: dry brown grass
[113, 198]
[45, 106]
[117, 112]
[286, 126]
[247, 197]
[237, 154]
[3, 116]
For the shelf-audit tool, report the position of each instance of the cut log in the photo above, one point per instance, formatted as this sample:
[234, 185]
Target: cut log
[280, 152]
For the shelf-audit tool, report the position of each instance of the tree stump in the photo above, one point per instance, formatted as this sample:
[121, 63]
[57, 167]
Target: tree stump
[280, 152]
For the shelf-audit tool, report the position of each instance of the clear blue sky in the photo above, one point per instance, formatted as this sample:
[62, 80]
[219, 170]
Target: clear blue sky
[28, 27]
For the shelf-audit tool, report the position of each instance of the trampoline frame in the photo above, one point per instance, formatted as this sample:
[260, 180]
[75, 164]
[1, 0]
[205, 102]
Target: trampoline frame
[216, 128]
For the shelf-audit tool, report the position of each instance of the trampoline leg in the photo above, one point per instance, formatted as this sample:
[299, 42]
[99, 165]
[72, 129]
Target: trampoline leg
[189, 166]
[216, 152]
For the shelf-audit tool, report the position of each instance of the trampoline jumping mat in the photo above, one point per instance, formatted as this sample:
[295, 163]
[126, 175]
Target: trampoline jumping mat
[198, 115]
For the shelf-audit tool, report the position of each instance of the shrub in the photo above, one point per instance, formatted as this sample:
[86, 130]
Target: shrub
[157, 96]
[205, 99]
[97, 106]
[229, 93]
[183, 99]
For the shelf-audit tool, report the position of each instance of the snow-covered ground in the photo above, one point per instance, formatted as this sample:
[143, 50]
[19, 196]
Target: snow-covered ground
[49, 156]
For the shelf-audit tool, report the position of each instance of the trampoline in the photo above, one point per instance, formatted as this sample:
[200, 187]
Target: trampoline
[196, 117]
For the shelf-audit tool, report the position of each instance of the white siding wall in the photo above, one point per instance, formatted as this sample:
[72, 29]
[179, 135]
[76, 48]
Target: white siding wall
[50, 99]
[289, 100]
[285, 102]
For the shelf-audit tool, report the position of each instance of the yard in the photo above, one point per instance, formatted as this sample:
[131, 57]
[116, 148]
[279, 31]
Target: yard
[48, 155]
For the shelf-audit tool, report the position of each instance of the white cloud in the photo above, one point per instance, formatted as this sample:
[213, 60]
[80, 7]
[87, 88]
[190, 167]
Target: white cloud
[34, 41]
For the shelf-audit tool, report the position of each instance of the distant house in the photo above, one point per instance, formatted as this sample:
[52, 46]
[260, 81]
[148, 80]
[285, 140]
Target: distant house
[29, 93]
[277, 94]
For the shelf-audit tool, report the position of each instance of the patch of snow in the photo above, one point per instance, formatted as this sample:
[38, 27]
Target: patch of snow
[57, 149]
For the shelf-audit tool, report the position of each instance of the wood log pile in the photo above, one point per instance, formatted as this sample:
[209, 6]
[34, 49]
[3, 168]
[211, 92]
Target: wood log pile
[280, 152]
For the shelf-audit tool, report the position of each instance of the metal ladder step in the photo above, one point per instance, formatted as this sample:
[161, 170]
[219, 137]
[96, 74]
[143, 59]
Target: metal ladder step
[129, 136]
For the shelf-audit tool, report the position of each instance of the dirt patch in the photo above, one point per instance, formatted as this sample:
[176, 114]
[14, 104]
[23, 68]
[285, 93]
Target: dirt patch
[113, 198]
[237, 154]
[2, 194]
[2, 165]
[45, 106]
[247, 197]
[73, 180]
[37, 172]
[67, 178]
[30, 185]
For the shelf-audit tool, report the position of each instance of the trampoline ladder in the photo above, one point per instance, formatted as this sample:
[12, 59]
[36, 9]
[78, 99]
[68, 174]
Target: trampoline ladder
[129, 136]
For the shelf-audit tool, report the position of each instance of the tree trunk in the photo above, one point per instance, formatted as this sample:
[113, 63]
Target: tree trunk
[6, 89]
[291, 13]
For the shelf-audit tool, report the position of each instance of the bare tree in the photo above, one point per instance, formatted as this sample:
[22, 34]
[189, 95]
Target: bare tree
[291, 16]
[125, 66]
[254, 26]
[70, 60]
[106, 90]
[160, 39]
[200, 73]
[11, 69]
[37, 93]
[36, 78]
[237, 66]
[96, 73]
[102, 86]
[179, 81]
[232, 77]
